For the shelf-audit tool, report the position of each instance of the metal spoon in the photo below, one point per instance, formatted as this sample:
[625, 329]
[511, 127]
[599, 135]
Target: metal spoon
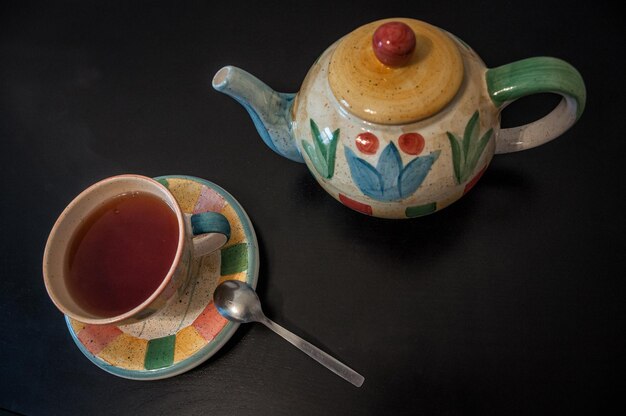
[238, 302]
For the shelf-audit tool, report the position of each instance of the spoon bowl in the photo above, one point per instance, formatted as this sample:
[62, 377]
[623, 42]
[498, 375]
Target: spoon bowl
[238, 302]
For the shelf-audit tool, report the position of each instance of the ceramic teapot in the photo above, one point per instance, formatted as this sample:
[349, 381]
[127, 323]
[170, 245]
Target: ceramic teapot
[399, 118]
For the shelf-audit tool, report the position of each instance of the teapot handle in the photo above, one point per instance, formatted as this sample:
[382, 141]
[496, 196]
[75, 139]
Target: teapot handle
[507, 83]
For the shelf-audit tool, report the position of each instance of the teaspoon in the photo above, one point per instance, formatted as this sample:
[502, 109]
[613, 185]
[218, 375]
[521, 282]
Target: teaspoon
[238, 302]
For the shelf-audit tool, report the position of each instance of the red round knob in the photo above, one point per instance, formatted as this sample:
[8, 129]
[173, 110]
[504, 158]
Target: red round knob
[393, 43]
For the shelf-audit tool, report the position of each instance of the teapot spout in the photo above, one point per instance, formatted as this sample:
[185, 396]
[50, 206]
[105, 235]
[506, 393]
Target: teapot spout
[270, 110]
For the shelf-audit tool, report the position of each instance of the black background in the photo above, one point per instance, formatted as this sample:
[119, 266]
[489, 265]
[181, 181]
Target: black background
[511, 301]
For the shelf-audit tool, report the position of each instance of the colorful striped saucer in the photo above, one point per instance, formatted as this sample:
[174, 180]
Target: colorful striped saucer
[188, 331]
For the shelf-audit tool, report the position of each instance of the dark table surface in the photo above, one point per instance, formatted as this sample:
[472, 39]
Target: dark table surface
[511, 301]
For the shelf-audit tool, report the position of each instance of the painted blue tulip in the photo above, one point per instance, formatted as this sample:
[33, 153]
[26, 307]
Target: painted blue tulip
[389, 180]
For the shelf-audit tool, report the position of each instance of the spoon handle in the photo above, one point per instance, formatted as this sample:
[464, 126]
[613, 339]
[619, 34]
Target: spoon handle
[318, 355]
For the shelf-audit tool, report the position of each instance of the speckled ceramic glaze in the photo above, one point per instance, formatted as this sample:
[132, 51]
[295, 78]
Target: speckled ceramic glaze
[189, 330]
[396, 170]
[400, 130]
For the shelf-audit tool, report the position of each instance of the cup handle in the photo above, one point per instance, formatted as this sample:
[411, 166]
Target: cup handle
[507, 83]
[211, 231]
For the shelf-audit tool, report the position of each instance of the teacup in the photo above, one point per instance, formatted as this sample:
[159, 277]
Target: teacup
[122, 250]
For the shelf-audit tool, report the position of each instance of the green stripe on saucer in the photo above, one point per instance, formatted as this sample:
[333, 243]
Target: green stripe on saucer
[234, 259]
[160, 352]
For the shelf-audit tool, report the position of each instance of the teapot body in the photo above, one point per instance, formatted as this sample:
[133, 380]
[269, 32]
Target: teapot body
[396, 171]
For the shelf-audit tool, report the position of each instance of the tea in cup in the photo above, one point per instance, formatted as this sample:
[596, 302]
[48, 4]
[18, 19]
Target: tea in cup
[122, 249]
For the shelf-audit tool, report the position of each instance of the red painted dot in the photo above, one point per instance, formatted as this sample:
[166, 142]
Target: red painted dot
[411, 143]
[367, 143]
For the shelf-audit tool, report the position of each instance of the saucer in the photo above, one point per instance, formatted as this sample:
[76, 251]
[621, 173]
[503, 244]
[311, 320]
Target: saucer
[189, 330]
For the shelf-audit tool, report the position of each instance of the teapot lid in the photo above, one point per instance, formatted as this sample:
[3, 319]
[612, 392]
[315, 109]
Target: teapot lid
[395, 71]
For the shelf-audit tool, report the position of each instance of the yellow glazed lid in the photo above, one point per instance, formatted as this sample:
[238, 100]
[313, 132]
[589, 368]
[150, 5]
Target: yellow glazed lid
[395, 71]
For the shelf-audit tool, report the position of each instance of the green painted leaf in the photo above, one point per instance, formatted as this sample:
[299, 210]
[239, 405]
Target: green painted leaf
[465, 155]
[332, 151]
[471, 134]
[457, 156]
[310, 150]
[317, 138]
[320, 165]
[477, 151]
[322, 152]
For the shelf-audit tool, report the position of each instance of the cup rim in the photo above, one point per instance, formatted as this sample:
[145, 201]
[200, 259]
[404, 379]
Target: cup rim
[156, 293]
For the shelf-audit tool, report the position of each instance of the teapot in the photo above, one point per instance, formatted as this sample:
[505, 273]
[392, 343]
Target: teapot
[399, 119]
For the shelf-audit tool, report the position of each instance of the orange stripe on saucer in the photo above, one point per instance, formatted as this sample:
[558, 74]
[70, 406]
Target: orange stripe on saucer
[126, 352]
[237, 233]
[186, 193]
[209, 323]
[188, 342]
[96, 337]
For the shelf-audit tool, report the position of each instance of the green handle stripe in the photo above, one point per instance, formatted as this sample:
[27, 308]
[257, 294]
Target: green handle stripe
[536, 75]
